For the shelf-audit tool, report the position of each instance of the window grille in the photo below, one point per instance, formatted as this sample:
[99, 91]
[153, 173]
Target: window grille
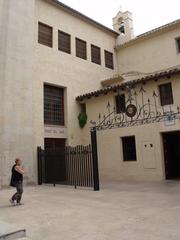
[53, 105]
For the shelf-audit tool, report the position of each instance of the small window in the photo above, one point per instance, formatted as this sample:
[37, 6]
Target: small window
[45, 34]
[129, 148]
[120, 103]
[109, 59]
[178, 44]
[166, 95]
[64, 42]
[83, 107]
[95, 54]
[81, 50]
[53, 105]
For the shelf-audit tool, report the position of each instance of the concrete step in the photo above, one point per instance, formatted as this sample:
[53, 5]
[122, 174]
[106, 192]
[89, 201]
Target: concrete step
[10, 232]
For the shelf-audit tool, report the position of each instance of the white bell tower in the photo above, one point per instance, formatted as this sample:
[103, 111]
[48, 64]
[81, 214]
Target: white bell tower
[123, 24]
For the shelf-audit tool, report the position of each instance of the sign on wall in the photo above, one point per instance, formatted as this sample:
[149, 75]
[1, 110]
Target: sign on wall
[55, 132]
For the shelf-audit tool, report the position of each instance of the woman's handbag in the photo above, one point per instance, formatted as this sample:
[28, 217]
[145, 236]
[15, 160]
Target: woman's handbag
[12, 183]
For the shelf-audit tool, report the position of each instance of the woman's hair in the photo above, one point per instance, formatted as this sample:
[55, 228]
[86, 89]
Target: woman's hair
[17, 160]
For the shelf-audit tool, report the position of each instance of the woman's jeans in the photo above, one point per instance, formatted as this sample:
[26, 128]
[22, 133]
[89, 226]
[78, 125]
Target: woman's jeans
[18, 195]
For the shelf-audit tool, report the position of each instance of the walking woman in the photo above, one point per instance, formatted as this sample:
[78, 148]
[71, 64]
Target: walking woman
[17, 181]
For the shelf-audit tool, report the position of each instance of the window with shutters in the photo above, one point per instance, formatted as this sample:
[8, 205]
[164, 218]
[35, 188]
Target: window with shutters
[45, 34]
[109, 59]
[129, 148]
[166, 95]
[120, 103]
[81, 50]
[178, 44]
[53, 105]
[64, 42]
[95, 54]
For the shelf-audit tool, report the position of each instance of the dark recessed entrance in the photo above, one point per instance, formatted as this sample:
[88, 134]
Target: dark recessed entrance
[54, 143]
[54, 156]
[171, 142]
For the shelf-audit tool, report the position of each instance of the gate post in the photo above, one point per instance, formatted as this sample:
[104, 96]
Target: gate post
[95, 159]
[39, 156]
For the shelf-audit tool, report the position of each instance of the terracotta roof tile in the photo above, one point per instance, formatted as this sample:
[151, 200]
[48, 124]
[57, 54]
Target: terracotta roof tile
[155, 76]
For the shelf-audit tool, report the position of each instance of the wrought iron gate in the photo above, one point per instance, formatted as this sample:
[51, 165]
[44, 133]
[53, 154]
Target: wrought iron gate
[139, 110]
[76, 166]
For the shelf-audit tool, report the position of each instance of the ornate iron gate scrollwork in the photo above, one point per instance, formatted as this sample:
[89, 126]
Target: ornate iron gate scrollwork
[139, 111]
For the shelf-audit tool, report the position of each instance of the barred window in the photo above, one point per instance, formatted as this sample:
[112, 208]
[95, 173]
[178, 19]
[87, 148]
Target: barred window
[166, 95]
[64, 42]
[81, 50]
[53, 105]
[129, 148]
[95, 54]
[109, 59]
[45, 34]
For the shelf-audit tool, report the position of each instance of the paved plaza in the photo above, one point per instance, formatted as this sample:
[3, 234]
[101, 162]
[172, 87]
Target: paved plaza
[120, 211]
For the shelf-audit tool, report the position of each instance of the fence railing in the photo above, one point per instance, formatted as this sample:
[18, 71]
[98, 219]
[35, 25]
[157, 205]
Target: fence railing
[79, 166]
[73, 166]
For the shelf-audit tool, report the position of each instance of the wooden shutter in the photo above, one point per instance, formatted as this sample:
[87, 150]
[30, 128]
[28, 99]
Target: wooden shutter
[120, 103]
[166, 95]
[45, 34]
[64, 42]
[81, 51]
[109, 59]
[95, 54]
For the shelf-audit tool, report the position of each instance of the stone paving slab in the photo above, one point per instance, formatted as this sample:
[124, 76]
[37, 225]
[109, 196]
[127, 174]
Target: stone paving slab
[25, 238]
[10, 231]
[120, 211]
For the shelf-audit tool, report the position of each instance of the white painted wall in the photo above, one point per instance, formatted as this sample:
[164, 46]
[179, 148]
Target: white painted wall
[150, 55]
[26, 65]
[56, 67]
[16, 79]
[150, 162]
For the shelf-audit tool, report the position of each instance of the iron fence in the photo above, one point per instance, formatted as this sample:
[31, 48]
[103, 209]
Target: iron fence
[76, 166]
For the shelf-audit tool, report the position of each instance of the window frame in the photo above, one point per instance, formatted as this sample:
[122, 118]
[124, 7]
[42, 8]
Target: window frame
[69, 42]
[52, 104]
[80, 50]
[125, 147]
[83, 107]
[166, 100]
[120, 108]
[109, 59]
[177, 40]
[94, 57]
[40, 41]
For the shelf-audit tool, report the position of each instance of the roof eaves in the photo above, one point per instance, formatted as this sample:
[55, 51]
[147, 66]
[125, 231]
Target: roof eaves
[84, 17]
[104, 91]
[150, 33]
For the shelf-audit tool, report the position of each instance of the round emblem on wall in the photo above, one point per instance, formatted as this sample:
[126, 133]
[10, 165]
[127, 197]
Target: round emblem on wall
[131, 110]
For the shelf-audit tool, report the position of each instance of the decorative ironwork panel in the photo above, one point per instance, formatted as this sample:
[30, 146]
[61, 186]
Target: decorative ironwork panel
[139, 110]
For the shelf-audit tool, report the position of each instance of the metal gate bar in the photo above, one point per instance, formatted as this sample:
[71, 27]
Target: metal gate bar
[75, 166]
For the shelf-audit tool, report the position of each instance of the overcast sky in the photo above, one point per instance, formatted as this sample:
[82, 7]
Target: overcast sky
[147, 14]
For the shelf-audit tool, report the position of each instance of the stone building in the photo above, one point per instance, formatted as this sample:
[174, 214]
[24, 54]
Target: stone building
[56, 62]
